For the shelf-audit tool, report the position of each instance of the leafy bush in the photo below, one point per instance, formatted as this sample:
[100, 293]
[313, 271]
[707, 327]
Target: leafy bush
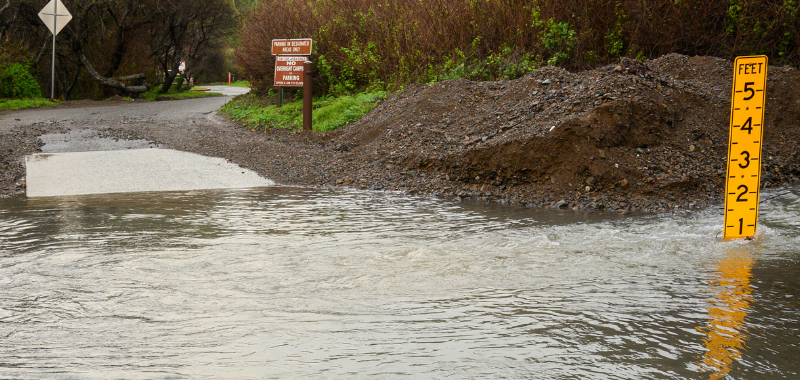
[388, 44]
[17, 82]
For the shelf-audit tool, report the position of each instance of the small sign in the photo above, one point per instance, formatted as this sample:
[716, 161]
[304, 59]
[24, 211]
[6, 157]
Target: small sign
[182, 66]
[55, 13]
[743, 179]
[289, 71]
[297, 46]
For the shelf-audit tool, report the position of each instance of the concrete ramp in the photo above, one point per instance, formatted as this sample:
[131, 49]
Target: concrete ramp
[135, 170]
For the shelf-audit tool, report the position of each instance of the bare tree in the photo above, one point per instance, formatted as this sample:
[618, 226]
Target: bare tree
[185, 30]
[117, 45]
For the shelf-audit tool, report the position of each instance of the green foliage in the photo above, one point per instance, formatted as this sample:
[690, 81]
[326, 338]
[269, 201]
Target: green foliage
[19, 104]
[388, 44]
[241, 83]
[503, 64]
[329, 112]
[357, 64]
[734, 16]
[17, 82]
[559, 39]
[614, 39]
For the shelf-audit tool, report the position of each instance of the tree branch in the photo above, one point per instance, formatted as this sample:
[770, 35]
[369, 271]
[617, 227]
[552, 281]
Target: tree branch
[114, 82]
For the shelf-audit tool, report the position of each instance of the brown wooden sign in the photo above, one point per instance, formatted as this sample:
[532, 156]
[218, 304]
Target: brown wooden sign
[289, 71]
[297, 46]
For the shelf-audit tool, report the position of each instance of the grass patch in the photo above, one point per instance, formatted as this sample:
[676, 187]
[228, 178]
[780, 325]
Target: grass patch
[20, 104]
[153, 93]
[329, 113]
[241, 83]
[238, 83]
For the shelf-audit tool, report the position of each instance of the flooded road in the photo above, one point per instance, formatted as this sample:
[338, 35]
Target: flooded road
[301, 283]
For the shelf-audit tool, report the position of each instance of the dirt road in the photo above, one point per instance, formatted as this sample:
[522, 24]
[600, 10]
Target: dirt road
[189, 125]
[635, 136]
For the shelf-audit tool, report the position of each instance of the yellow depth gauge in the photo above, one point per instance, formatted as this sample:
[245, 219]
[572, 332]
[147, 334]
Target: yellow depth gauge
[743, 179]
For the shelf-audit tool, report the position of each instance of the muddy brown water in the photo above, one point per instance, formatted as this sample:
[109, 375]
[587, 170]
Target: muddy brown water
[300, 283]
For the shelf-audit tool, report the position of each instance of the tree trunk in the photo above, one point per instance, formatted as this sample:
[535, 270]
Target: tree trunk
[170, 78]
[116, 82]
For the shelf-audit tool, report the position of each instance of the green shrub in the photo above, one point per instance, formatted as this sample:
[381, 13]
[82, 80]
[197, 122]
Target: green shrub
[17, 82]
[360, 45]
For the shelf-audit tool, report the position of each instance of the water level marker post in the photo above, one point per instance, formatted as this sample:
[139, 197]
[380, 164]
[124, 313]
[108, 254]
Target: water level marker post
[743, 177]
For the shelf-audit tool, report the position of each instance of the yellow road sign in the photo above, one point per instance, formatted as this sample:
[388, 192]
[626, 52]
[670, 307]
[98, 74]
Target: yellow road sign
[743, 179]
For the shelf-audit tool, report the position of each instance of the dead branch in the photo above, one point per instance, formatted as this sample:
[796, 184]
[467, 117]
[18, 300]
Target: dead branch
[116, 82]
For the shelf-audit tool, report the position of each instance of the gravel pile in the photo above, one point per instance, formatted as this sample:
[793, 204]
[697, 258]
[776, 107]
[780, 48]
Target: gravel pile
[628, 137]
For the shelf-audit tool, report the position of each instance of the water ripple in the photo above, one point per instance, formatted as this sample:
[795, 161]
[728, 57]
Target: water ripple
[302, 283]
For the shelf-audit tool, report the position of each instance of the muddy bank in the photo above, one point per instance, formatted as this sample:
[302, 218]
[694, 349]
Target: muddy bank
[634, 136]
[629, 137]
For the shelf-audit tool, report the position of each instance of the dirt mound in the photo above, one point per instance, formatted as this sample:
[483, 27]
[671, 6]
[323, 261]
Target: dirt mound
[635, 135]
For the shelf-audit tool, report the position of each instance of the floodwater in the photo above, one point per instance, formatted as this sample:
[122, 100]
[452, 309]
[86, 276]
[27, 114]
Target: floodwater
[301, 283]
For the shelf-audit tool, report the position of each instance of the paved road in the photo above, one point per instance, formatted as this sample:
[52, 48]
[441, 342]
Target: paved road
[118, 113]
[123, 145]
[228, 90]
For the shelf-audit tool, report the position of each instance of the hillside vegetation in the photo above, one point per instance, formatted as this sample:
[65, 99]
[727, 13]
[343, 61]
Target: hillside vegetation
[388, 44]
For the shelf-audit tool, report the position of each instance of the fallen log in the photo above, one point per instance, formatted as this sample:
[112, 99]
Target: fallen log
[118, 81]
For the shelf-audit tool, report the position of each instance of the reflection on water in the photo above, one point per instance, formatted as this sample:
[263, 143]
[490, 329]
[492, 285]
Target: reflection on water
[726, 332]
[300, 283]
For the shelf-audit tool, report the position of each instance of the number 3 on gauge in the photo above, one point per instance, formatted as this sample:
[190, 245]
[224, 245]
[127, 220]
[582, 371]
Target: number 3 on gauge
[746, 159]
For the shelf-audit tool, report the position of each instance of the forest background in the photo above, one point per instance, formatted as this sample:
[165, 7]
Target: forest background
[368, 45]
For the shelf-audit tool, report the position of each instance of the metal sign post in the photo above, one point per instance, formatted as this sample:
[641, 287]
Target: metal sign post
[308, 88]
[743, 179]
[50, 16]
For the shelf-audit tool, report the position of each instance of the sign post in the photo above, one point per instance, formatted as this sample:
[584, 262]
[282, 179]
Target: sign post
[743, 179]
[293, 69]
[308, 69]
[50, 16]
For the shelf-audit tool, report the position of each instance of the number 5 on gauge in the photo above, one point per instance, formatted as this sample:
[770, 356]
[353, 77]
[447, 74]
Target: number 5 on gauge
[743, 177]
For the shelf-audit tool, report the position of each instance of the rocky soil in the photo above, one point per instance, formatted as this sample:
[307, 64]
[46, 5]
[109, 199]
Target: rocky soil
[634, 136]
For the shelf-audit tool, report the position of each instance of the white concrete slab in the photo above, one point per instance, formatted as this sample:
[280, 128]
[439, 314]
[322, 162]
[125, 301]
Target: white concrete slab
[135, 170]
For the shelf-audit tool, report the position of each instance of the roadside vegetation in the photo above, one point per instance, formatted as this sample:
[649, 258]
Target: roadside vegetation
[21, 104]
[261, 114]
[19, 90]
[385, 45]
